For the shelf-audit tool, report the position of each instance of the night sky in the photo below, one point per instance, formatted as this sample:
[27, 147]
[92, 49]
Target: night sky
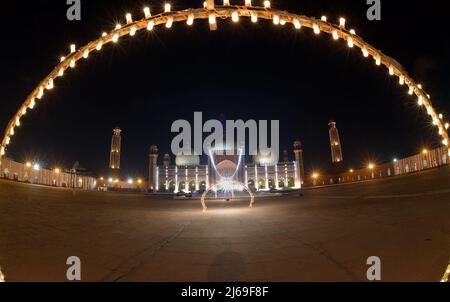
[244, 71]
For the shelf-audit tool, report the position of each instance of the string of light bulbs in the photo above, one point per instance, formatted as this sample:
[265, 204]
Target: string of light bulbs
[211, 12]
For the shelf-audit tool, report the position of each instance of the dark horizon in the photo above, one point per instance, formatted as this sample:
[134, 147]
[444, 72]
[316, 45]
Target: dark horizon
[244, 71]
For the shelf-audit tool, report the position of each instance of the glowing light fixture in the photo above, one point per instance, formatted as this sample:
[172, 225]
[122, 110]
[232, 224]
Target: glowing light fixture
[297, 24]
[41, 91]
[378, 60]
[99, 46]
[115, 38]
[235, 17]
[129, 18]
[371, 166]
[73, 48]
[72, 65]
[212, 19]
[248, 2]
[276, 19]
[324, 18]
[226, 2]
[86, 54]
[254, 17]
[147, 12]
[335, 35]
[50, 85]
[391, 70]
[350, 42]
[190, 20]
[150, 25]
[401, 80]
[342, 22]
[365, 52]
[316, 29]
[169, 22]
[266, 4]
[167, 8]
[420, 101]
[36, 167]
[133, 31]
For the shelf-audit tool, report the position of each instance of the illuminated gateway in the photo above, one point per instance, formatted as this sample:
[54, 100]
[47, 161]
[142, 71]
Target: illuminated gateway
[186, 174]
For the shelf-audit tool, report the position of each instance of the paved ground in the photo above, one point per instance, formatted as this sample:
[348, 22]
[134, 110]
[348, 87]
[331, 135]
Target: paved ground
[327, 235]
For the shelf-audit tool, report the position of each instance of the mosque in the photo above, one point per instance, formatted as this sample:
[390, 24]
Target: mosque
[186, 174]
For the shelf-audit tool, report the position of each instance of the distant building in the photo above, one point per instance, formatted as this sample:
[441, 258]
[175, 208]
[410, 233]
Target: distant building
[33, 173]
[114, 159]
[427, 159]
[335, 143]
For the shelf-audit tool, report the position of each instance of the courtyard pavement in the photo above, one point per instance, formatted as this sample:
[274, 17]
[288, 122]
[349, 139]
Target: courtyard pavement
[325, 235]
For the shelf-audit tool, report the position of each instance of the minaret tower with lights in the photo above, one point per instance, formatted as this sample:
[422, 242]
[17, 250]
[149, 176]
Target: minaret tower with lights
[335, 143]
[114, 159]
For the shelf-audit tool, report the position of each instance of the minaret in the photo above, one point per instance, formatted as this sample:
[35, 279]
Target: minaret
[285, 156]
[153, 169]
[114, 159]
[300, 170]
[166, 161]
[335, 143]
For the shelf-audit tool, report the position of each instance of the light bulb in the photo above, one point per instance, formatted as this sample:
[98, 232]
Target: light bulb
[235, 17]
[147, 12]
[190, 20]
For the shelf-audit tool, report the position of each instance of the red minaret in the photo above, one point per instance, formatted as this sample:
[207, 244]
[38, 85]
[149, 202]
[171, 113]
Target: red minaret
[335, 143]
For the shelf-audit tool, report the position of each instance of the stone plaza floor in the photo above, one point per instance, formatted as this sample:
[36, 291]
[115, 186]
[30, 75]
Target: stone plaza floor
[325, 235]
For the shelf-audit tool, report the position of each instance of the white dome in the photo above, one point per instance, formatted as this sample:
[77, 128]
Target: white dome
[187, 160]
[269, 160]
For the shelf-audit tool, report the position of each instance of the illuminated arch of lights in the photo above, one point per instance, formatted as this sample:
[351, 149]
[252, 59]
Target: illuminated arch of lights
[228, 185]
[212, 12]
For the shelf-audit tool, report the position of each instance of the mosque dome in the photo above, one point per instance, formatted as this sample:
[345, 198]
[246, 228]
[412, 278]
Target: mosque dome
[187, 160]
[269, 160]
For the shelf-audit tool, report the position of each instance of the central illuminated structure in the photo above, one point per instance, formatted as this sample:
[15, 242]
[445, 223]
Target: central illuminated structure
[263, 173]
